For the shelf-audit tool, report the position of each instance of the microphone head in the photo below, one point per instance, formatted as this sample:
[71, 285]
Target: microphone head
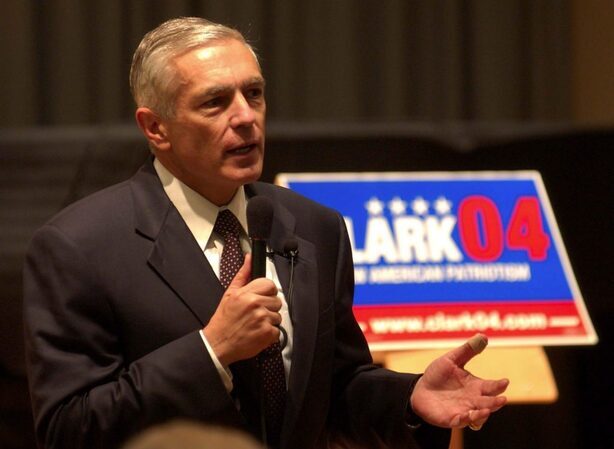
[290, 246]
[259, 217]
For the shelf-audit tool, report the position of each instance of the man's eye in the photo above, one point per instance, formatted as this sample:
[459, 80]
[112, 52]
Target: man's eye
[255, 93]
[213, 103]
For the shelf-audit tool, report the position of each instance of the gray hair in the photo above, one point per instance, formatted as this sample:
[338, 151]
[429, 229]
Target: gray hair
[152, 75]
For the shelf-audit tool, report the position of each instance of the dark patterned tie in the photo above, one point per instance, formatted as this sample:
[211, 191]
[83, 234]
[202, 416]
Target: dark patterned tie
[269, 361]
[229, 228]
[274, 390]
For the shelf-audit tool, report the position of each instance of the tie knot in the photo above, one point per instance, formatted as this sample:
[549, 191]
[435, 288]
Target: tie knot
[227, 224]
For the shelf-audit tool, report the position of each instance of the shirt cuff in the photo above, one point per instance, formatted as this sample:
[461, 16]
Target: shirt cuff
[223, 371]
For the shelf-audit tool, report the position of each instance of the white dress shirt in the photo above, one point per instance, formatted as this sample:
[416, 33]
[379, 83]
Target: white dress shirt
[199, 215]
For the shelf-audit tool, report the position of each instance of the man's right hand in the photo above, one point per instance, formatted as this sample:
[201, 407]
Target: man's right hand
[246, 319]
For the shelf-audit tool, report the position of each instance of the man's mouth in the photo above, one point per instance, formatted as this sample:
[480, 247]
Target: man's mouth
[242, 150]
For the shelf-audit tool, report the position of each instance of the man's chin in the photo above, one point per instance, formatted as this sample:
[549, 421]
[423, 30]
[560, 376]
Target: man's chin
[246, 175]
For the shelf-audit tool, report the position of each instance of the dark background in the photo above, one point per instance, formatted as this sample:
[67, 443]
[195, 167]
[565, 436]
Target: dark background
[44, 170]
[352, 85]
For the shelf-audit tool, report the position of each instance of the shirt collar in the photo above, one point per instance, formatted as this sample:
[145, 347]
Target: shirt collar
[198, 212]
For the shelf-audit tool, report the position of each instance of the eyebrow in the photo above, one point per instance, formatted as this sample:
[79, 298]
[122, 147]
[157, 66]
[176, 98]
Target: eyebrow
[223, 88]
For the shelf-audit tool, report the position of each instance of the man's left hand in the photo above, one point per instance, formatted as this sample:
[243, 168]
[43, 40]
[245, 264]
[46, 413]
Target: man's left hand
[447, 395]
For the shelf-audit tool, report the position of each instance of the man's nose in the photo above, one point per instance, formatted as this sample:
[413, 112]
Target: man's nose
[242, 112]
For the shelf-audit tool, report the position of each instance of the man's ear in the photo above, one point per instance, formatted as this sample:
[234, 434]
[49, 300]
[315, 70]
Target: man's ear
[153, 127]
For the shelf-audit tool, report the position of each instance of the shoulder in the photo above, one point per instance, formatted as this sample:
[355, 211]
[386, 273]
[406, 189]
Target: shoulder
[116, 202]
[98, 210]
[84, 237]
[293, 201]
[311, 219]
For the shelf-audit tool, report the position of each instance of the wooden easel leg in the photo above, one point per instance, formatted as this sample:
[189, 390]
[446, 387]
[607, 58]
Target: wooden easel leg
[456, 440]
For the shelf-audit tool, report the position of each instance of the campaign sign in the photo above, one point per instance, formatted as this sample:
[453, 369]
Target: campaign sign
[441, 256]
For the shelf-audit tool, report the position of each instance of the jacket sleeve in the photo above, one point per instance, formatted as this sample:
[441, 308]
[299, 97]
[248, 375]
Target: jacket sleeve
[84, 393]
[371, 404]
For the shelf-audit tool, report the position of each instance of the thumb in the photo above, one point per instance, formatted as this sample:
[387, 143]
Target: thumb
[244, 274]
[468, 350]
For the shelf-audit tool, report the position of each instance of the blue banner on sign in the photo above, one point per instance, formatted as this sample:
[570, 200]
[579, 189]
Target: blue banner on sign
[418, 240]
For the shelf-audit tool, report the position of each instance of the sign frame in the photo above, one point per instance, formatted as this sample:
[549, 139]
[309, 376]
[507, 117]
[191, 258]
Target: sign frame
[588, 338]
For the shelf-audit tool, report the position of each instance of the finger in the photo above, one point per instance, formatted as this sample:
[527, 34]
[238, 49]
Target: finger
[243, 275]
[468, 350]
[499, 402]
[476, 417]
[272, 303]
[494, 387]
[262, 286]
[468, 417]
[490, 403]
[477, 420]
[275, 333]
[478, 343]
[275, 319]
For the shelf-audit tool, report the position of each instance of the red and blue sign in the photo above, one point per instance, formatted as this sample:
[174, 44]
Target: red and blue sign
[440, 256]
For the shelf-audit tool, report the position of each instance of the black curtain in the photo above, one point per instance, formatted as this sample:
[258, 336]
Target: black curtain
[66, 62]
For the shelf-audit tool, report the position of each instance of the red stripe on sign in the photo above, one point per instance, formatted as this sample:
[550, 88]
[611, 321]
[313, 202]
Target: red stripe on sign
[436, 321]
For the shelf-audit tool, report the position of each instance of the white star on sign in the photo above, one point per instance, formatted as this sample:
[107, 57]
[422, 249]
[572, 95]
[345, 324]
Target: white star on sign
[442, 205]
[374, 206]
[397, 206]
[420, 206]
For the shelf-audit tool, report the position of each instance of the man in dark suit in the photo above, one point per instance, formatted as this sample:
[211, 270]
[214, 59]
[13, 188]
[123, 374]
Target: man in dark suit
[132, 317]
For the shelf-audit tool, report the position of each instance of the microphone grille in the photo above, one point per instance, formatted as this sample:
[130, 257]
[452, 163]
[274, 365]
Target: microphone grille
[259, 217]
[290, 246]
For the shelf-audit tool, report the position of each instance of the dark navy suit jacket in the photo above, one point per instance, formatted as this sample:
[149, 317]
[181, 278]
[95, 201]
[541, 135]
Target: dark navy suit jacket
[117, 289]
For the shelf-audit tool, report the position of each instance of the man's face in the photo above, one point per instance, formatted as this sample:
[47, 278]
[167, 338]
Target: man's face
[216, 137]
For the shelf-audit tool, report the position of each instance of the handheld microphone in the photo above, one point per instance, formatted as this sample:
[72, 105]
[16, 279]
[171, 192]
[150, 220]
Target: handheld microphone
[259, 222]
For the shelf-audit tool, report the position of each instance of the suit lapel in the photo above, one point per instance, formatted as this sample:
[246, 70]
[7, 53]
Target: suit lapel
[175, 255]
[304, 319]
[178, 259]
